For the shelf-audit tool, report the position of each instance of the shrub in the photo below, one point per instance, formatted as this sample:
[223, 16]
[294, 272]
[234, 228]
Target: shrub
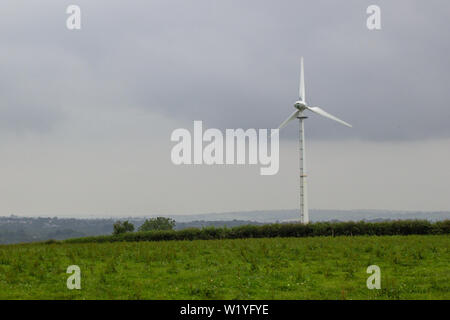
[122, 227]
[158, 223]
[51, 241]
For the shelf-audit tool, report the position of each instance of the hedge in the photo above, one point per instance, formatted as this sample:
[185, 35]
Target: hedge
[400, 227]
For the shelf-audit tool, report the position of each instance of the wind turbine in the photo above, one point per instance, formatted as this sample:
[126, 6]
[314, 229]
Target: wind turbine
[300, 106]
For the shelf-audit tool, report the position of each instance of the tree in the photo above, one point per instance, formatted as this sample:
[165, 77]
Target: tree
[158, 223]
[123, 227]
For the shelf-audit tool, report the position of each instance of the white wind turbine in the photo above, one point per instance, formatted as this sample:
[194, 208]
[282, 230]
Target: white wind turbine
[300, 105]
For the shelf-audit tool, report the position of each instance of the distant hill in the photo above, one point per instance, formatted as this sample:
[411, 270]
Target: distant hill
[14, 229]
[315, 215]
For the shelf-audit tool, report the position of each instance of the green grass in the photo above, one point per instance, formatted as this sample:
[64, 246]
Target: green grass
[412, 267]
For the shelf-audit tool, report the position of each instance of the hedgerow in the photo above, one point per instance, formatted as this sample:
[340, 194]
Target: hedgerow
[401, 227]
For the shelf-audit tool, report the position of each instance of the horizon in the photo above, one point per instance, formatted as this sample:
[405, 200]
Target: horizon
[151, 215]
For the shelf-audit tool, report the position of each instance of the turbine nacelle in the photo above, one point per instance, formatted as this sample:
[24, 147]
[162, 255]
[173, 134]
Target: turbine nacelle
[300, 105]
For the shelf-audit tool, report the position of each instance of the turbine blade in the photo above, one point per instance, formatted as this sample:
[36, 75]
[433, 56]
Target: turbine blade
[291, 117]
[327, 115]
[301, 89]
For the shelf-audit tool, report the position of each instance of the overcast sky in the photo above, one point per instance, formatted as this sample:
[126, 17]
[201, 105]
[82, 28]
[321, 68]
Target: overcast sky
[86, 115]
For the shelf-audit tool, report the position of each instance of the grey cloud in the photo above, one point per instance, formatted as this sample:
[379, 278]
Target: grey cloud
[98, 105]
[24, 119]
[235, 64]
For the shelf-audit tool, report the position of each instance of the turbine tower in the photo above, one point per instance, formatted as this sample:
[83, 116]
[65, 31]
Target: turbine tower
[300, 106]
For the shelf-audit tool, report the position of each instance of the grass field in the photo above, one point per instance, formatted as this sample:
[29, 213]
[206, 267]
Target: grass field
[412, 267]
